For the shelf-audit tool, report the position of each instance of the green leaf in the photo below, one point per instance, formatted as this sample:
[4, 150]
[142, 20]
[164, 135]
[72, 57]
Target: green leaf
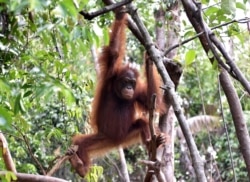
[106, 36]
[241, 6]
[35, 4]
[211, 10]
[4, 86]
[5, 116]
[94, 173]
[68, 7]
[215, 65]
[28, 93]
[10, 176]
[65, 92]
[190, 56]
[19, 106]
[228, 6]
[54, 132]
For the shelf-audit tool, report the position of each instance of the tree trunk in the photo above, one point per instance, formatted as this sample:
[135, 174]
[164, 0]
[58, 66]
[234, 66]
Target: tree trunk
[165, 38]
[238, 117]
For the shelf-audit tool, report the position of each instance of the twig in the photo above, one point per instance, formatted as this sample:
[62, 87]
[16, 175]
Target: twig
[154, 168]
[62, 159]
[30, 151]
[182, 43]
[131, 25]
[153, 165]
[91, 15]
[32, 155]
[243, 20]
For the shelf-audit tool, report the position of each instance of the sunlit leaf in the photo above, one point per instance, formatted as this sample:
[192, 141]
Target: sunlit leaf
[240, 6]
[211, 10]
[106, 36]
[35, 4]
[19, 106]
[5, 116]
[190, 57]
[228, 6]
[4, 86]
[54, 133]
[68, 7]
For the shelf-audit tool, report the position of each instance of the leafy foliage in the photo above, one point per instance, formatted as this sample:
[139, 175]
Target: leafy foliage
[47, 78]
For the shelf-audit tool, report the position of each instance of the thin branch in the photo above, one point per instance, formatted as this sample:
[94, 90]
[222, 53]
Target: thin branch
[124, 168]
[234, 70]
[22, 177]
[73, 149]
[131, 25]
[212, 41]
[182, 43]
[91, 15]
[226, 131]
[231, 67]
[154, 164]
[60, 161]
[30, 151]
[32, 155]
[242, 20]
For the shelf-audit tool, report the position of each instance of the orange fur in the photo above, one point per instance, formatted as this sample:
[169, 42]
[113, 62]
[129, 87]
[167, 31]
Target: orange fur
[116, 122]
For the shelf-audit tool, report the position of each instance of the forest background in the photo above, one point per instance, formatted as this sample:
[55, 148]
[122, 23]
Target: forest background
[48, 53]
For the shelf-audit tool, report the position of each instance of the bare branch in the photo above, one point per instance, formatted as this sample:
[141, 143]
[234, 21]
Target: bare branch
[60, 161]
[91, 15]
[242, 20]
[131, 25]
[70, 153]
[22, 177]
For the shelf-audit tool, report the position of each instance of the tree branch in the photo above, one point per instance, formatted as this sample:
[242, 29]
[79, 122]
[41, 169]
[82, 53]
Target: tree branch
[209, 40]
[22, 177]
[228, 88]
[111, 7]
[8, 161]
[157, 57]
[242, 20]
[30, 151]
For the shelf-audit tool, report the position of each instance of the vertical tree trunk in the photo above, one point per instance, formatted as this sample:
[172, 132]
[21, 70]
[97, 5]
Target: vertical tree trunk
[238, 117]
[124, 169]
[166, 36]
